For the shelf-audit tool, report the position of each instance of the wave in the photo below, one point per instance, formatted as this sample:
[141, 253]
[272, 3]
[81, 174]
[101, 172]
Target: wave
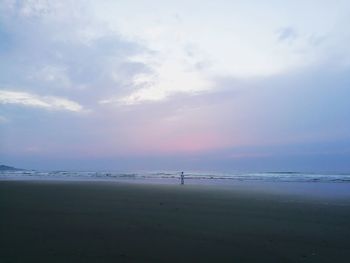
[265, 176]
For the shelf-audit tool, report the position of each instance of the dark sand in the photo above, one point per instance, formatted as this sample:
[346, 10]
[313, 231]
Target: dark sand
[114, 222]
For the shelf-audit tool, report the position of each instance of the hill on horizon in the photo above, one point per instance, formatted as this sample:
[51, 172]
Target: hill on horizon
[8, 168]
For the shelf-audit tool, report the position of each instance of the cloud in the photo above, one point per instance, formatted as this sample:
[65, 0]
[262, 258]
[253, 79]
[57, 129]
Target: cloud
[61, 50]
[237, 42]
[53, 76]
[36, 101]
[166, 79]
[224, 76]
[3, 119]
[95, 51]
[286, 34]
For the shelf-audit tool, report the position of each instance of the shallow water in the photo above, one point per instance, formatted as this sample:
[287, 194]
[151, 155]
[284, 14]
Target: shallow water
[210, 176]
[314, 185]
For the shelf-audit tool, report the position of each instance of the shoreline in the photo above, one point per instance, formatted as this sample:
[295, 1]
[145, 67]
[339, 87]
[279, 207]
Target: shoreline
[303, 190]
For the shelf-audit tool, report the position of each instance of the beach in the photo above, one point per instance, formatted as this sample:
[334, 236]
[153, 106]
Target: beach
[90, 221]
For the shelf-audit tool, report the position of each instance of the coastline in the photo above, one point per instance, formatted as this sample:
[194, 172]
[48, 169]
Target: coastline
[315, 190]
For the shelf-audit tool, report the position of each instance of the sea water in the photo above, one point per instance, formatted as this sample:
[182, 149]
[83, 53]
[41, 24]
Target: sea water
[170, 176]
[315, 185]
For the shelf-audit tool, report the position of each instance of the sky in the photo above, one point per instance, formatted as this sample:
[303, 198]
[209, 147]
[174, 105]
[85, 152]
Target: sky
[175, 85]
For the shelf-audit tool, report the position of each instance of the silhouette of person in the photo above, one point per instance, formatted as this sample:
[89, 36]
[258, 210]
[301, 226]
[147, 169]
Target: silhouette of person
[182, 178]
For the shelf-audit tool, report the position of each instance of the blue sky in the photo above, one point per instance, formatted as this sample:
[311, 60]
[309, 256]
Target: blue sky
[200, 85]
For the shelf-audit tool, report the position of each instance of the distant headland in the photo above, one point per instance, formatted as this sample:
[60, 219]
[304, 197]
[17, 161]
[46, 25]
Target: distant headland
[9, 168]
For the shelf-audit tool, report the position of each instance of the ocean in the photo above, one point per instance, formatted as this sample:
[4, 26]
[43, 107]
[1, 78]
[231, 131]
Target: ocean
[173, 177]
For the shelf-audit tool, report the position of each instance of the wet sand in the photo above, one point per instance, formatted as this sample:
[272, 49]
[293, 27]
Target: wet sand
[57, 221]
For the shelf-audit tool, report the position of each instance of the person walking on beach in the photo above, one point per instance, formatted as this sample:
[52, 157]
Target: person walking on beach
[182, 178]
